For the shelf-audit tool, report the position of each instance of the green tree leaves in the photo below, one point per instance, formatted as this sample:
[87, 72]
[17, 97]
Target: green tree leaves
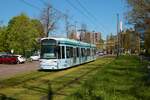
[22, 34]
[3, 39]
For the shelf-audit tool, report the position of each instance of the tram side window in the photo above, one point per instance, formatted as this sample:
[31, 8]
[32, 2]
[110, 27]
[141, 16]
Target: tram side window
[82, 52]
[88, 52]
[94, 51]
[74, 52]
[77, 49]
[85, 52]
[71, 51]
[59, 52]
[68, 52]
[63, 52]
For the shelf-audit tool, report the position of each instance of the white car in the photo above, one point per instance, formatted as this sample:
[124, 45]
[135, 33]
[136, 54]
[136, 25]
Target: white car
[20, 58]
[35, 57]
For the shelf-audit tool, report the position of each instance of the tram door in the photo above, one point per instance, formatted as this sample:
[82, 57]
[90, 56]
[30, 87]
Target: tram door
[74, 55]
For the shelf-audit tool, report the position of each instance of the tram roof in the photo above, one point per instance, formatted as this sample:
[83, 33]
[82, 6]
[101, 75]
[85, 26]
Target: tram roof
[70, 42]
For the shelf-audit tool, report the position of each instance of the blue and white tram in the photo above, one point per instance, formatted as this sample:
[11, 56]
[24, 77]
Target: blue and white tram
[61, 53]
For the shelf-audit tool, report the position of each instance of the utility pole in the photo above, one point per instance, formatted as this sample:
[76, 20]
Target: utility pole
[67, 25]
[83, 32]
[118, 35]
[121, 37]
[75, 34]
[47, 24]
[93, 37]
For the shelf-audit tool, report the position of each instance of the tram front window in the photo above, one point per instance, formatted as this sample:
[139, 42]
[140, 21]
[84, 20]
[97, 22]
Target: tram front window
[49, 52]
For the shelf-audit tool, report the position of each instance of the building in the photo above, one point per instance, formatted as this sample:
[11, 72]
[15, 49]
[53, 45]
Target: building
[129, 41]
[98, 41]
[141, 30]
[111, 44]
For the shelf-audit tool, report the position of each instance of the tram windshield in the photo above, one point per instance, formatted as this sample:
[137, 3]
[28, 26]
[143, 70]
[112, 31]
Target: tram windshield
[49, 52]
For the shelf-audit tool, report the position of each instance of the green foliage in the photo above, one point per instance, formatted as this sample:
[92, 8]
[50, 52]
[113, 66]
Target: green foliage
[3, 39]
[23, 33]
[38, 26]
[147, 41]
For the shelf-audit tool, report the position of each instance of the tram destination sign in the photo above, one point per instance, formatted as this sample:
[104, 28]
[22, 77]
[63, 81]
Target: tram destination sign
[49, 42]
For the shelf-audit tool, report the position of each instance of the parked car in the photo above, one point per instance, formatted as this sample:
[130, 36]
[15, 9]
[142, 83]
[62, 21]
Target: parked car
[105, 53]
[99, 53]
[20, 59]
[1, 59]
[35, 57]
[8, 59]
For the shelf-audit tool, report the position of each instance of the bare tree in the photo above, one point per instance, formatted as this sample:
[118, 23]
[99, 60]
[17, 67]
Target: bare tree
[49, 18]
[71, 32]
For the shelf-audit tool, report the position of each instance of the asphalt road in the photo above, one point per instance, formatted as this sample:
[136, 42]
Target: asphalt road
[8, 70]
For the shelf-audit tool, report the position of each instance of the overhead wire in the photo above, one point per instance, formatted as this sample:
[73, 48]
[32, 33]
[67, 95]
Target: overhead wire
[58, 11]
[31, 5]
[84, 8]
[77, 9]
[90, 14]
[36, 7]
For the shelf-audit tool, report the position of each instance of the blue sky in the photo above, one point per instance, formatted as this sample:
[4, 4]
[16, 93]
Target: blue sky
[104, 12]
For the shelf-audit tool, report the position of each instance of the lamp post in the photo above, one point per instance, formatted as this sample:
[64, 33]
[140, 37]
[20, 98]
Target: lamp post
[93, 37]
[117, 35]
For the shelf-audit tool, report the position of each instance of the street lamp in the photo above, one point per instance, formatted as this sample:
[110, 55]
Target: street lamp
[117, 35]
[93, 37]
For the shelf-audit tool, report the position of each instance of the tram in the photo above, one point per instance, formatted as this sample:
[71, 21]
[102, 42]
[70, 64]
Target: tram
[62, 53]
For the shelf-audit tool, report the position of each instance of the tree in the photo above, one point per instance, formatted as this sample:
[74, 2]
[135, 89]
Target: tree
[22, 33]
[138, 11]
[72, 35]
[39, 27]
[139, 15]
[3, 39]
[147, 41]
[110, 43]
[49, 18]
[126, 40]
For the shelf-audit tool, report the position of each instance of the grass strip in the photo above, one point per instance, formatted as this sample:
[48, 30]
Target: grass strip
[126, 78]
[36, 84]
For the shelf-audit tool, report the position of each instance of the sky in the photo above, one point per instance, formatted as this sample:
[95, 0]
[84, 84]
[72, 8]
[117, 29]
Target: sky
[98, 15]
